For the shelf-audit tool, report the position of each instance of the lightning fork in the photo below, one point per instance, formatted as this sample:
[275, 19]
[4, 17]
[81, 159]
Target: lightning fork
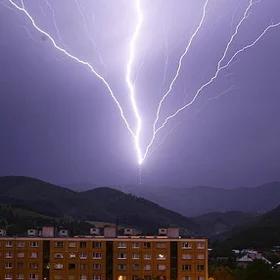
[76, 59]
[209, 82]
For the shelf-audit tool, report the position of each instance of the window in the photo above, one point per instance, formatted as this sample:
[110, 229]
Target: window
[96, 266]
[122, 256]
[135, 245]
[135, 256]
[33, 266]
[97, 255]
[9, 243]
[187, 245]
[34, 244]
[96, 245]
[83, 244]
[58, 256]
[147, 245]
[8, 265]
[186, 257]
[161, 257]
[148, 277]
[200, 267]
[34, 255]
[58, 277]
[20, 265]
[200, 245]
[136, 277]
[9, 255]
[161, 245]
[161, 267]
[135, 266]
[71, 277]
[83, 255]
[187, 278]
[20, 255]
[83, 266]
[21, 244]
[72, 255]
[121, 277]
[186, 267]
[96, 277]
[33, 276]
[147, 267]
[83, 277]
[122, 245]
[71, 266]
[200, 257]
[147, 256]
[59, 244]
[122, 266]
[58, 266]
[72, 244]
[8, 276]
[200, 278]
[20, 276]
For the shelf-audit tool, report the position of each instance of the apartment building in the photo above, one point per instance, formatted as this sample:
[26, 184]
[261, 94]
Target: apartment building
[106, 257]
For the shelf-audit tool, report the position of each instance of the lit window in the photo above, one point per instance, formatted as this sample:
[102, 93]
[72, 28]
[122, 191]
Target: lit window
[135, 256]
[147, 256]
[122, 256]
[186, 267]
[8, 276]
[161, 257]
[122, 277]
[187, 245]
[72, 255]
[122, 245]
[161, 267]
[58, 266]
[122, 267]
[147, 267]
[97, 255]
[72, 244]
[186, 257]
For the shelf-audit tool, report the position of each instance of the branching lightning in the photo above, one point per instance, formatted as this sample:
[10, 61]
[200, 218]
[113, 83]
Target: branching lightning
[76, 59]
[218, 70]
[136, 132]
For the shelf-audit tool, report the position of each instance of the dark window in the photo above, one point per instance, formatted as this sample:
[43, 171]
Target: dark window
[147, 244]
[71, 266]
[83, 244]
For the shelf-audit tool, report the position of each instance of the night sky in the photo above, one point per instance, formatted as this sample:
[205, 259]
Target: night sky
[58, 122]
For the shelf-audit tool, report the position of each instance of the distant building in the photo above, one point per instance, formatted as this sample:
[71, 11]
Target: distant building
[108, 257]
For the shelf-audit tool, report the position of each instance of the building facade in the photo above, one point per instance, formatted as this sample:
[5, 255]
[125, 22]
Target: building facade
[103, 258]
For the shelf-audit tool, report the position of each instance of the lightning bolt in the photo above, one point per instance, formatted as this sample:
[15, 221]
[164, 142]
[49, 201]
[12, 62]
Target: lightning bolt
[130, 83]
[208, 83]
[180, 65]
[76, 59]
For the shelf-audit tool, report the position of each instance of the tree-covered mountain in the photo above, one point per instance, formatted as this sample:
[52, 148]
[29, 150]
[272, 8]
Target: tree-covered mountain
[100, 204]
[195, 201]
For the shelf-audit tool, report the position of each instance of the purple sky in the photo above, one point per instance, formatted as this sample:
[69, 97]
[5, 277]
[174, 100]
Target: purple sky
[58, 122]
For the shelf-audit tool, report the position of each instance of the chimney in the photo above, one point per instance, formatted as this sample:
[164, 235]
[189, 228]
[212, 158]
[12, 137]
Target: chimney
[48, 232]
[110, 232]
[173, 232]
